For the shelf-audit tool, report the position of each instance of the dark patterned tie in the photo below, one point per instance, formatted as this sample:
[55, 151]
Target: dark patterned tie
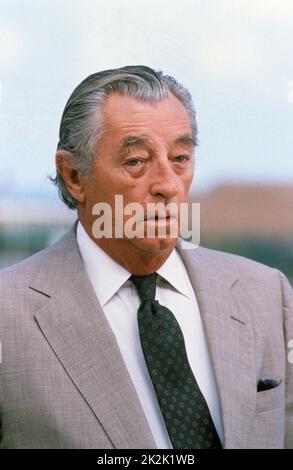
[183, 406]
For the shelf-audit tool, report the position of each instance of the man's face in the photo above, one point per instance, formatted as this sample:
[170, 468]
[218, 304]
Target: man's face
[145, 155]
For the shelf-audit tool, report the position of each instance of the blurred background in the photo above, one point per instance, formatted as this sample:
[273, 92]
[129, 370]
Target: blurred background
[235, 56]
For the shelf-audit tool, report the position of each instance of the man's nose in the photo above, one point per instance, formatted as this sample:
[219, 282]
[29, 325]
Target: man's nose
[164, 182]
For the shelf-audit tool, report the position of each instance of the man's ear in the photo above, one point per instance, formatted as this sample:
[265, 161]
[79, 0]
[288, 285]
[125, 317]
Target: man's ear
[72, 177]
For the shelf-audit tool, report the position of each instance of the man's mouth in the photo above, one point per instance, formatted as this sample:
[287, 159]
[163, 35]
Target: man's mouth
[156, 217]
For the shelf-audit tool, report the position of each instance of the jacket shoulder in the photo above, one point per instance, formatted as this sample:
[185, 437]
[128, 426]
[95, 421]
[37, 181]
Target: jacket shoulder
[221, 263]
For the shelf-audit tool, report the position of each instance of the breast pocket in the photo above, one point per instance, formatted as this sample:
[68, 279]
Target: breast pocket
[270, 399]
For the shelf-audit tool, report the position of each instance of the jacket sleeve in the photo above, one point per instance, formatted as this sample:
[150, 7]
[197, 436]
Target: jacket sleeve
[287, 297]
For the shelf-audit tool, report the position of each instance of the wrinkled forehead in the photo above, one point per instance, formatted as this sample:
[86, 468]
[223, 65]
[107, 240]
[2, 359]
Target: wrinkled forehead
[133, 119]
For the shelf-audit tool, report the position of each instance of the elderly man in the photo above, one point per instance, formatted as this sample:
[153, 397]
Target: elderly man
[134, 341]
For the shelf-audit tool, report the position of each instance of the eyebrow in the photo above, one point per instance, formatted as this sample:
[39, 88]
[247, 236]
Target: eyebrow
[131, 141]
[186, 139]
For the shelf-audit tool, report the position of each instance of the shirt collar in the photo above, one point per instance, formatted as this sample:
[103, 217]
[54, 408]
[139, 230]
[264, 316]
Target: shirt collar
[107, 276]
[174, 272]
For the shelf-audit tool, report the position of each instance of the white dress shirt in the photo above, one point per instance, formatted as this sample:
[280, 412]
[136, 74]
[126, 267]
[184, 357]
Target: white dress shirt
[120, 302]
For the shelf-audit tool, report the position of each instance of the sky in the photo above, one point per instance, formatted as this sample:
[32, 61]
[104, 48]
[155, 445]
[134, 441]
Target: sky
[235, 56]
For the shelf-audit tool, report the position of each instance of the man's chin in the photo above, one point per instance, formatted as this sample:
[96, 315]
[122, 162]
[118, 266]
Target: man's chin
[154, 245]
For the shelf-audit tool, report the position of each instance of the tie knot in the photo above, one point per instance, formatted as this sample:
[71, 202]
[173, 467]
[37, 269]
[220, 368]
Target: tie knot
[146, 286]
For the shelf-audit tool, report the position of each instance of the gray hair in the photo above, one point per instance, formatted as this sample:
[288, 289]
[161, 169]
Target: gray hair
[81, 123]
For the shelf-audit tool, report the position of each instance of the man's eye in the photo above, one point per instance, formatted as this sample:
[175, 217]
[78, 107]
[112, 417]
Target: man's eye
[133, 162]
[181, 158]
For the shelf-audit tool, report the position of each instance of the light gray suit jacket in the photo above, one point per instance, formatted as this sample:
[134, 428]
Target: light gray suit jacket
[63, 382]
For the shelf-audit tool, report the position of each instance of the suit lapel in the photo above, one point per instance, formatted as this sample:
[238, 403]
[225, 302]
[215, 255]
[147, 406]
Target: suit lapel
[77, 330]
[227, 325]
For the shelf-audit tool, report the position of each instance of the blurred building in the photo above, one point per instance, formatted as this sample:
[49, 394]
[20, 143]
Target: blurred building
[254, 211]
[251, 220]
